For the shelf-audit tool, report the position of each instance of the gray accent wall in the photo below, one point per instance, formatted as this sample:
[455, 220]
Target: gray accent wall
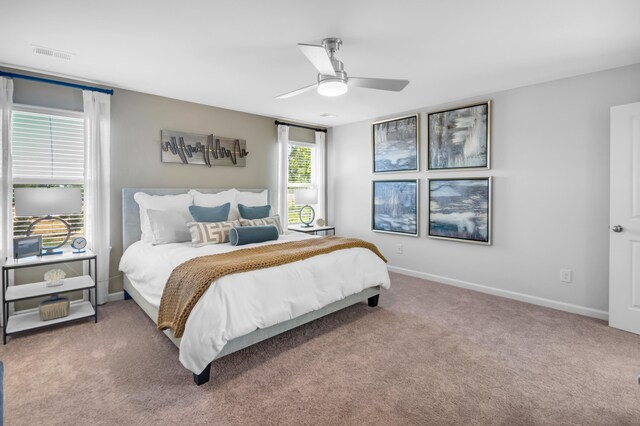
[550, 162]
[136, 122]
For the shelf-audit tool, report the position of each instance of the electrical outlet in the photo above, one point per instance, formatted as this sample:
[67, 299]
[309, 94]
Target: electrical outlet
[565, 275]
[399, 248]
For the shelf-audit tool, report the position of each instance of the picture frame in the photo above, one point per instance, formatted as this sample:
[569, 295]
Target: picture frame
[460, 209]
[27, 246]
[395, 144]
[459, 138]
[395, 206]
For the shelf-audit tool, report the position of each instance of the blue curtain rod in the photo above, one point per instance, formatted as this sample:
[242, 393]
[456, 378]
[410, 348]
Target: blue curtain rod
[58, 83]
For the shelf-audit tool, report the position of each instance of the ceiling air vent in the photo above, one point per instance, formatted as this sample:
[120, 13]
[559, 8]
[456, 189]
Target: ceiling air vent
[47, 51]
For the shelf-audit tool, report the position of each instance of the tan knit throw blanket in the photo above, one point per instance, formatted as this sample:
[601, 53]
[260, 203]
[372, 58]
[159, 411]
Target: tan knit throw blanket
[191, 279]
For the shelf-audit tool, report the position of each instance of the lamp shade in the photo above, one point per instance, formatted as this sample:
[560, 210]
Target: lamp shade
[306, 196]
[47, 201]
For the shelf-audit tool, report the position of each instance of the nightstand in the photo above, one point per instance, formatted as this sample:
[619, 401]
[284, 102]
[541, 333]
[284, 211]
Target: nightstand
[313, 229]
[21, 322]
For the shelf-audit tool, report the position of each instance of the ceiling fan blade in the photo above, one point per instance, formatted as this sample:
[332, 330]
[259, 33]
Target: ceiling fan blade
[319, 57]
[378, 83]
[297, 92]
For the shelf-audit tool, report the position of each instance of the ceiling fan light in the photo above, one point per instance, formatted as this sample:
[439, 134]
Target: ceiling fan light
[332, 88]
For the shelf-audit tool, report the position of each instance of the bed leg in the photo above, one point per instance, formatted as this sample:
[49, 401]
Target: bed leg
[203, 377]
[127, 296]
[373, 300]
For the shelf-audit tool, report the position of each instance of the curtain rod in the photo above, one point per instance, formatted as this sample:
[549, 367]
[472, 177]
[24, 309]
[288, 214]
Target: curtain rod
[58, 83]
[300, 126]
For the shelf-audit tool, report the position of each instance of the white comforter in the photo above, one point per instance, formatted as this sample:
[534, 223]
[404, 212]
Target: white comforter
[239, 304]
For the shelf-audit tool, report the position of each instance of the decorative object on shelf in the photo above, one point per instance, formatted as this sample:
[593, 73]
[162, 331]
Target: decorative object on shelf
[459, 138]
[210, 150]
[306, 196]
[395, 144]
[27, 246]
[54, 277]
[460, 209]
[45, 202]
[320, 222]
[395, 206]
[54, 308]
[79, 244]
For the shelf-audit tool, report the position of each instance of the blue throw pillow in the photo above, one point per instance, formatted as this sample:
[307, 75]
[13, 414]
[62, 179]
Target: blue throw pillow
[210, 214]
[255, 212]
[252, 234]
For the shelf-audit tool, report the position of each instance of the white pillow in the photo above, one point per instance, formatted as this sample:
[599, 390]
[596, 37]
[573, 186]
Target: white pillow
[168, 227]
[178, 203]
[252, 198]
[218, 199]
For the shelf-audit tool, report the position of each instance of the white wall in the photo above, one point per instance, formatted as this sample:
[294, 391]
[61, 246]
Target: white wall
[550, 162]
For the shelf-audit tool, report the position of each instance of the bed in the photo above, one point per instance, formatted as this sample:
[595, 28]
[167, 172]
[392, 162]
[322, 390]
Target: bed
[242, 309]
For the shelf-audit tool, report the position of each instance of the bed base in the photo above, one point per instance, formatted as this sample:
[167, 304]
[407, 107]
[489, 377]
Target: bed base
[372, 295]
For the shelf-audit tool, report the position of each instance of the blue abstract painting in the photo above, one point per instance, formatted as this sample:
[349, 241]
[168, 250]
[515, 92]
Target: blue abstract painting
[395, 206]
[459, 138]
[460, 209]
[395, 145]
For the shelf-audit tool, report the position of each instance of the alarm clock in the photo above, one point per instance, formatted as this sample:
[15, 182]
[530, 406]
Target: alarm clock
[79, 243]
[320, 222]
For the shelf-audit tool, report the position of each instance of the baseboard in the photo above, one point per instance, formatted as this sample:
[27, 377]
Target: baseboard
[115, 296]
[554, 304]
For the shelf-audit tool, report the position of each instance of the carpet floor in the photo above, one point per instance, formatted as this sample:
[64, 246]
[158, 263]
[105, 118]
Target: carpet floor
[429, 354]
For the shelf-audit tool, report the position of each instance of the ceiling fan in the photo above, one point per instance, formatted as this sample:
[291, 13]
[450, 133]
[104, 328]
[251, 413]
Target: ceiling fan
[332, 78]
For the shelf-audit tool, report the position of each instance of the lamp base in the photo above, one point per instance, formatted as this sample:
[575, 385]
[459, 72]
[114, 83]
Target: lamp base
[313, 216]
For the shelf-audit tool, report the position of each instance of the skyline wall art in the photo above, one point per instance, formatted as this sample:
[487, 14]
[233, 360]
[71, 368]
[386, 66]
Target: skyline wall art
[208, 150]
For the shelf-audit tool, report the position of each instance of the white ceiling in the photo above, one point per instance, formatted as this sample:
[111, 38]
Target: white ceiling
[240, 54]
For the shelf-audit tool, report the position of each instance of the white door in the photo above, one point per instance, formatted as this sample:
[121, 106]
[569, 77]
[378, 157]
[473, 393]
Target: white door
[624, 217]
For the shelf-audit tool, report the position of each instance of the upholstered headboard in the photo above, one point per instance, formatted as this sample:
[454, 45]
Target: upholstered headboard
[131, 213]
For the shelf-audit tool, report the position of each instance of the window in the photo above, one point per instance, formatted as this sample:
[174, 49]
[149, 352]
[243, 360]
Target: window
[48, 151]
[301, 175]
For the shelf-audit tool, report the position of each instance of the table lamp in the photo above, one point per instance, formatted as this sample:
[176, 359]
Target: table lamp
[45, 202]
[306, 196]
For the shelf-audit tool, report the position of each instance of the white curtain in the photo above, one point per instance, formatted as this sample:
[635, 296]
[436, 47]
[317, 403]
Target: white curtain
[6, 217]
[97, 123]
[283, 174]
[320, 177]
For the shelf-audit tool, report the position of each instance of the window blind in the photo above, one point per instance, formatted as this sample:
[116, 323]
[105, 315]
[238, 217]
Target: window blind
[47, 151]
[47, 148]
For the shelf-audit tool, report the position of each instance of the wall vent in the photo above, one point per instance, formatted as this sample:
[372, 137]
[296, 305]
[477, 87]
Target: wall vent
[47, 51]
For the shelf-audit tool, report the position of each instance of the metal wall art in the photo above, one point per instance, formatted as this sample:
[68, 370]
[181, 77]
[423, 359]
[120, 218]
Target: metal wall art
[209, 150]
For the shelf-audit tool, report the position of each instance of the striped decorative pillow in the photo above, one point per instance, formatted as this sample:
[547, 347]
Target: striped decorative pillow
[272, 220]
[203, 233]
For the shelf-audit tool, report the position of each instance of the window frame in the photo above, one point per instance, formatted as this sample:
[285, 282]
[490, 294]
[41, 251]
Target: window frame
[51, 182]
[314, 175]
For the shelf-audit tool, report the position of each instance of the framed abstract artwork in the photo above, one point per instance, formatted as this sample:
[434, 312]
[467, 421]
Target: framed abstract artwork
[395, 145]
[394, 206]
[460, 209]
[459, 138]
